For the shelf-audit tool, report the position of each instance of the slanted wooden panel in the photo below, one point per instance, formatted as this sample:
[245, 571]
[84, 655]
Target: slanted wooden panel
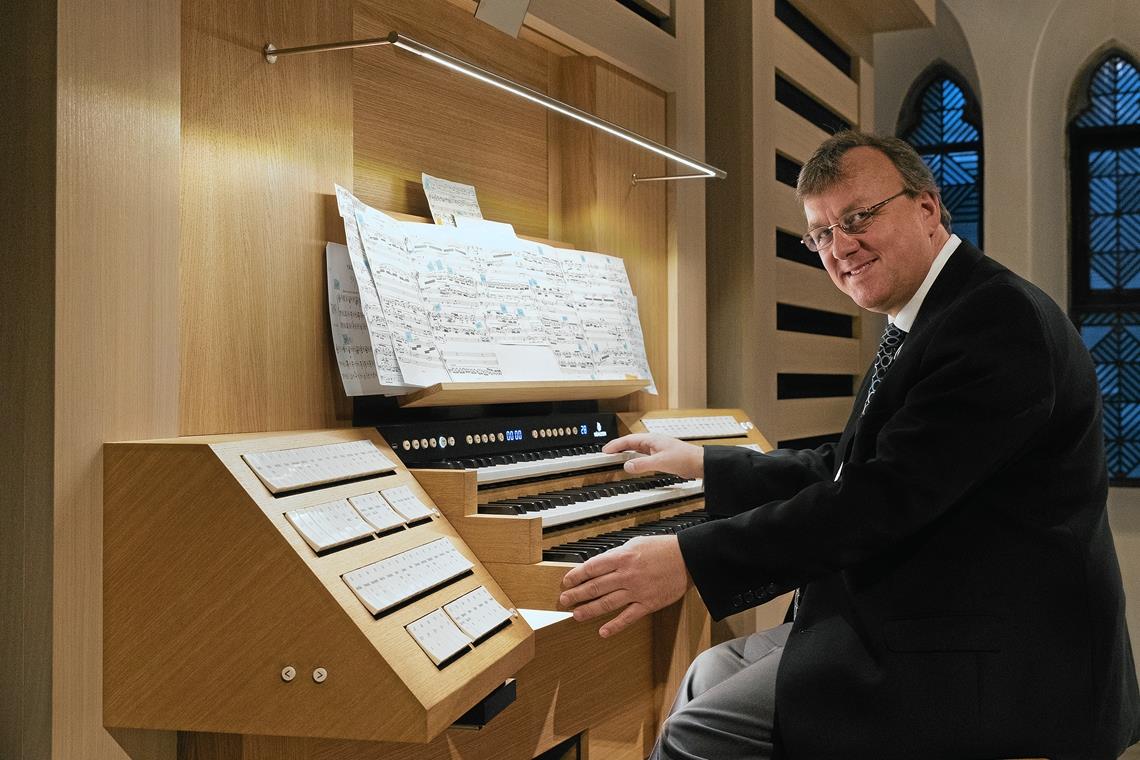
[795, 136]
[787, 212]
[803, 417]
[812, 73]
[824, 354]
[413, 116]
[807, 286]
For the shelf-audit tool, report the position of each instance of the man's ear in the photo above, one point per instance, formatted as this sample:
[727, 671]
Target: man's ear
[931, 210]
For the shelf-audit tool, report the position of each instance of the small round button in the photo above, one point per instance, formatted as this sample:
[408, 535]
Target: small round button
[433, 443]
[470, 439]
[288, 673]
[451, 440]
[534, 434]
[499, 436]
[407, 445]
[320, 674]
[416, 444]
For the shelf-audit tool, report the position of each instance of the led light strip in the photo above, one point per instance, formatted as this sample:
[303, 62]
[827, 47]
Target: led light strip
[704, 171]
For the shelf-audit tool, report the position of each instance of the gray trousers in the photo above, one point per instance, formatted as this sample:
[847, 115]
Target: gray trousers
[726, 704]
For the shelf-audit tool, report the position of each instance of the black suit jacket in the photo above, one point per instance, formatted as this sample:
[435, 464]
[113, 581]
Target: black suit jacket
[962, 596]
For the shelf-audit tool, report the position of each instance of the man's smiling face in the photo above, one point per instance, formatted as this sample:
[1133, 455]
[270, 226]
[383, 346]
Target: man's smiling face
[882, 267]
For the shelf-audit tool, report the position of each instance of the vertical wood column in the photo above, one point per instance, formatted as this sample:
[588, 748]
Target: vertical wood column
[601, 208]
[116, 322]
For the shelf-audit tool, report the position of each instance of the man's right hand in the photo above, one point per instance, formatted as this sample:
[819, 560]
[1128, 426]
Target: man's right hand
[663, 454]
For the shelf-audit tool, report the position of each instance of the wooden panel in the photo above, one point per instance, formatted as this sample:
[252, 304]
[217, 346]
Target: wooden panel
[800, 352]
[454, 394]
[116, 330]
[811, 72]
[412, 116]
[262, 146]
[787, 213]
[795, 136]
[27, 323]
[811, 287]
[605, 30]
[802, 417]
[576, 682]
[248, 607]
[601, 209]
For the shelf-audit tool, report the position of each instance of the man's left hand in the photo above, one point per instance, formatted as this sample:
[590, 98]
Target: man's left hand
[638, 578]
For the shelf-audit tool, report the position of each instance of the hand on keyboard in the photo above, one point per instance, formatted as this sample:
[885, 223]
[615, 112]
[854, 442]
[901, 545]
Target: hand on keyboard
[637, 578]
[665, 454]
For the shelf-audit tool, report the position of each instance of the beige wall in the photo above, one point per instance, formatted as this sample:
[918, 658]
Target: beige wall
[1023, 58]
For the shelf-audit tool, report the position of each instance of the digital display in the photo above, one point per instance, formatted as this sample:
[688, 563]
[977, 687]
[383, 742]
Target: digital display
[584, 429]
[514, 435]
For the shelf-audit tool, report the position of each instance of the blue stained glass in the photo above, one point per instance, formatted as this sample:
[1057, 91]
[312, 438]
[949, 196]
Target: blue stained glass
[1113, 340]
[951, 147]
[1114, 95]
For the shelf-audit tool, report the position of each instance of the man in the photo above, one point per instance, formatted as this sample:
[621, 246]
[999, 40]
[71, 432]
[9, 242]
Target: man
[960, 593]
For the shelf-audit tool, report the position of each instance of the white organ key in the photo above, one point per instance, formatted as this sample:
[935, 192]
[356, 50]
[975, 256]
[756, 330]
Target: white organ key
[377, 511]
[477, 613]
[500, 472]
[686, 428]
[438, 636]
[290, 469]
[405, 501]
[327, 525]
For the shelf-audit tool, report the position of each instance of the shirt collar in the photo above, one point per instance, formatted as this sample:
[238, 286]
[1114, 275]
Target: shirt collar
[904, 320]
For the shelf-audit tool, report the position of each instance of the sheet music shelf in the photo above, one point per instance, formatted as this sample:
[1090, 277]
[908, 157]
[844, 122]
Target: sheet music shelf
[452, 394]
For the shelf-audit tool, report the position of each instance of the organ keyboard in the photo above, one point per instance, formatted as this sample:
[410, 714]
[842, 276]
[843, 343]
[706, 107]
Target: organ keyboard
[532, 494]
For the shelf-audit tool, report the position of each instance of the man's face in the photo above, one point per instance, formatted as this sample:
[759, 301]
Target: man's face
[882, 267]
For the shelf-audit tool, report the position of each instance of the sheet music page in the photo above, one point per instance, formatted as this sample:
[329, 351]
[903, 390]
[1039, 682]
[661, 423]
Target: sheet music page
[450, 200]
[507, 289]
[349, 330]
[448, 274]
[607, 308]
[394, 271]
[387, 368]
[560, 319]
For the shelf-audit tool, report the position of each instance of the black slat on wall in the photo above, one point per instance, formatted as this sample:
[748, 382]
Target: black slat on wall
[814, 36]
[806, 385]
[808, 107]
[787, 170]
[814, 321]
[790, 248]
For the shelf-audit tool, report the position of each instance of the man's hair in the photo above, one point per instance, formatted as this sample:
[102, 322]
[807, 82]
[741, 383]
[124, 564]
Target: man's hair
[823, 171]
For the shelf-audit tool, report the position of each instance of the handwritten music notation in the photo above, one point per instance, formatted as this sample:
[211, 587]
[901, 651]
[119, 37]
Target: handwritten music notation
[415, 304]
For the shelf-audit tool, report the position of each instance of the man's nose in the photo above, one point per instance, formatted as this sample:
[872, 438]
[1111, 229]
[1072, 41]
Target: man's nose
[842, 244]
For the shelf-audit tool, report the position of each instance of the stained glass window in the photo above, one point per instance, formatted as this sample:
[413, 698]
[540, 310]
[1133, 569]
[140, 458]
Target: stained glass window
[941, 120]
[1104, 171]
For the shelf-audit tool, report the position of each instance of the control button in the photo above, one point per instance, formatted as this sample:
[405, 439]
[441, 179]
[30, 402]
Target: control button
[407, 445]
[534, 434]
[288, 673]
[443, 442]
[541, 433]
[499, 436]
[423, 443]
[320, 674]
[433, 443]
[451, 440]
[416, 444]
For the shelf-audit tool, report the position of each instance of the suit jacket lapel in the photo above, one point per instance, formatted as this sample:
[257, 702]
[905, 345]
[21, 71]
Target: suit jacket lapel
[942, 293]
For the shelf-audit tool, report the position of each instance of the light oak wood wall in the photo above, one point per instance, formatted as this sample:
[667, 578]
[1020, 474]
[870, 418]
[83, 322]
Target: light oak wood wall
[116, 322]
[185, 251]
[746, 280]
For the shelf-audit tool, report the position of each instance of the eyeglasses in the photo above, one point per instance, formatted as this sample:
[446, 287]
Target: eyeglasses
[852, 223]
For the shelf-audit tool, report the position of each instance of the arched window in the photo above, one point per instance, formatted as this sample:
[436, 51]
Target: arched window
[941, 119]
[1104, 172]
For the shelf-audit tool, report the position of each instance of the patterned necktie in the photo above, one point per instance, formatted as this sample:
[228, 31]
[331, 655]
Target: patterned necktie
[888, 347]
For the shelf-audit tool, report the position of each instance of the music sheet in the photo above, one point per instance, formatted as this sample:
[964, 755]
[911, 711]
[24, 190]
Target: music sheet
[387, 369]
[475, 303]
[394, 271]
